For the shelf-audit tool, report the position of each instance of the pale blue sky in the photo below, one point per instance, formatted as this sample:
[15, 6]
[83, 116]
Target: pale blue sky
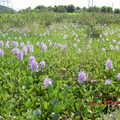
[21, 4]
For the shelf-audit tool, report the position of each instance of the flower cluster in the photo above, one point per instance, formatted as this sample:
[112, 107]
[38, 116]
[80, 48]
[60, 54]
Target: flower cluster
[47, 81]
[109, 64]
[82, 77]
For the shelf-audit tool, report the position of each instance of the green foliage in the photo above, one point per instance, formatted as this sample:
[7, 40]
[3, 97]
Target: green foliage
[70, 8]
[23, 95]
[103, 9]
[117, 11]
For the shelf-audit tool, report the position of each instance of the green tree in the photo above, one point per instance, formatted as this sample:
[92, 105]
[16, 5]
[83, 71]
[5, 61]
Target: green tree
[61, 9]
[78, 8]
[84, 9]
[70, 8]
[103, 9]
[55, 8]
[117, 11]
[109, 9]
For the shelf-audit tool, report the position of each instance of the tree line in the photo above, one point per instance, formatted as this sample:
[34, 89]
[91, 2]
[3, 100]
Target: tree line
[65, 9]
[71, 9]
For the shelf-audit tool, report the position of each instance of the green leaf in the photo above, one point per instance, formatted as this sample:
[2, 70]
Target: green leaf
[117, 89]
[54, 101]
[71, 99]
[55, 116]
[25, 100]
[66, 88]
[30, 80]
[57, 108]
[37, 112]
[46, 105]
[50, 90]
[28, 104]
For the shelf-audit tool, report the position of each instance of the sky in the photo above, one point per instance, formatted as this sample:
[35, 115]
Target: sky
[22, 4]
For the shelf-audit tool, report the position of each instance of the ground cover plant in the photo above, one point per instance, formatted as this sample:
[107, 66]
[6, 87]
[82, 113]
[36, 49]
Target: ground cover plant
[55, 71]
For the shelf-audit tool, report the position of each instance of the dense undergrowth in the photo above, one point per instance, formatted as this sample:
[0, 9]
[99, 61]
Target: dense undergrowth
[52, 66]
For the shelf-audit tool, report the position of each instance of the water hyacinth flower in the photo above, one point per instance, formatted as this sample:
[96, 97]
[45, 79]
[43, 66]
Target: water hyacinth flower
[108, 81]
[30, 47]
[28, 42]
[74, 39]
[119, 43]
[79, 50]
[103, 50]
[82, 77]
[24, 50]
[37, 43]
[1, 43]
[74, 45]
[111, 47]
[50, 44]
[117, 48]
[107, 39]
[114, 41]
[44, 47]
[118, 76]
[42, 43]
[42, 63]
[3, 36]
[15, 50]
[20, 55]
[7, 45]
[1, 52]
[22, 44]
[109, 64]
[55, 44]
[78, 40]
[47, 81]
[34, 66]
[31, 59]
[15, 43]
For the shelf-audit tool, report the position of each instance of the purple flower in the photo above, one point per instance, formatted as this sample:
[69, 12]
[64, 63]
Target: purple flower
[107, 39]
[108, 81]
[118, 76]
[114, 41]
[15, 50]
[117, 48]
[7, 45]
[34, 66]
[30, 47]
[47, 81]
[103, 50]
[42, 43]
[1, 43]
[28, 42]
[44, 47]
[15, 43]
[78, 40]
[1, 52]
[109, 64]
[3, 36]
[37, 43]
[42, 63]
[111, 47]
[79, 50]
[24, 50]
[74, 39]
[22, 44]
[74, 45]
[50, 44]
[20, 55]
[31, 59]
[82, 77]
[55, 44]
[119, 43]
